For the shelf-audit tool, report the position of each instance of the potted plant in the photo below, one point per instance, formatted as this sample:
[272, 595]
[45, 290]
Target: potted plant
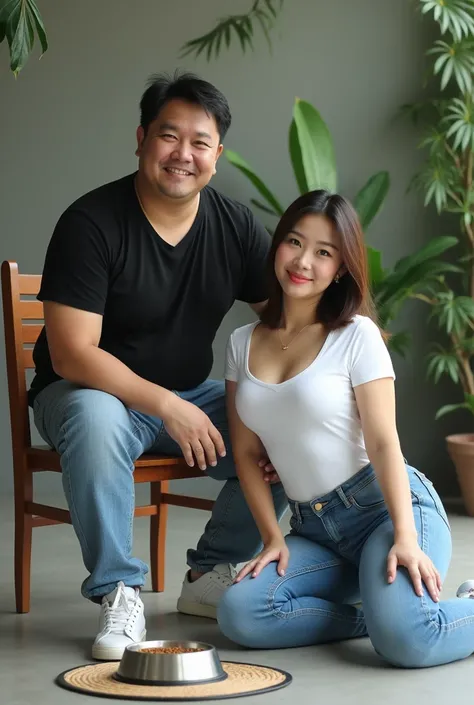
[447, 181]
[314, 165]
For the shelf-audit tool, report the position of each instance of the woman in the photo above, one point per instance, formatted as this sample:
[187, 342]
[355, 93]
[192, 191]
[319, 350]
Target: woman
[313, 382]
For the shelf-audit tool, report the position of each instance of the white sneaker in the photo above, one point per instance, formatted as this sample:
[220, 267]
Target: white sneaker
[466, 589]
[122, 622]
[201, 597]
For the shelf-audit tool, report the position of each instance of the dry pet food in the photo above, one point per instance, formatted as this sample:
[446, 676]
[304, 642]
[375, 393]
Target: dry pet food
[169, 650]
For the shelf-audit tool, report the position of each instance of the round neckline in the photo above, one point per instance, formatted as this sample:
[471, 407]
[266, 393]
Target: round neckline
[278, 385]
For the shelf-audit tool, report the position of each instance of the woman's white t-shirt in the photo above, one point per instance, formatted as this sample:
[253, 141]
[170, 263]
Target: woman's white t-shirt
[310, 425]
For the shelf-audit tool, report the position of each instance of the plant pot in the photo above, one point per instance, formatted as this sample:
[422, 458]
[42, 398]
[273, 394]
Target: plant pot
[461, 451]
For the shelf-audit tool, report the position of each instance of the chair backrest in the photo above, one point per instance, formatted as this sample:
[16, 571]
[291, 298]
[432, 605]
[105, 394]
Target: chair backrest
[20, 335]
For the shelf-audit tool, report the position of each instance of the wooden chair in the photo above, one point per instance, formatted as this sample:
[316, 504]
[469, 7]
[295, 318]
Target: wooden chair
[28, 459]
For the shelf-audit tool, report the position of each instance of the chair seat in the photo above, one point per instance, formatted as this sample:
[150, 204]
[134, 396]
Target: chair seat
[149, 467]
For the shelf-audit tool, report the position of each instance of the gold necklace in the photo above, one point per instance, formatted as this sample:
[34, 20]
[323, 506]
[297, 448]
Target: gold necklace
[285, 347]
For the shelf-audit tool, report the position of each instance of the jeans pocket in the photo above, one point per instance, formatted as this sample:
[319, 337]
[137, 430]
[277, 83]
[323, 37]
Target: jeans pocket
[428, 495]
[369, 496]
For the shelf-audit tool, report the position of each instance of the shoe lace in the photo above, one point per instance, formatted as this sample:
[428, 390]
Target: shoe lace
[122, 613]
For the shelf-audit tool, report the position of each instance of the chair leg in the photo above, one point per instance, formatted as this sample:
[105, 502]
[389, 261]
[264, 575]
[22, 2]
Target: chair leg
[158, 536]
[23, 536]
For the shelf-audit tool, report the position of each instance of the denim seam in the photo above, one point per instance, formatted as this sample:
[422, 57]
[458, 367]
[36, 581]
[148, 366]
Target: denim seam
[424, 546]
[309, 610]
[316, 611]
[362, 484]
[72, 507]
[136, 427]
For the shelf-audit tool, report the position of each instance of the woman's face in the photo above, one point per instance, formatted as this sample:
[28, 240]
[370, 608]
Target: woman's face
[309, 258]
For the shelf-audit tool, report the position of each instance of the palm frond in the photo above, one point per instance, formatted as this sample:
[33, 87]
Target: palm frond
[263, 14]
[454, 16]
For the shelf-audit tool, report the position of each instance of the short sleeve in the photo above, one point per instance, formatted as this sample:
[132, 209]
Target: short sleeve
[76, 268]
[231, 371]
[369, 357]
[254, 287]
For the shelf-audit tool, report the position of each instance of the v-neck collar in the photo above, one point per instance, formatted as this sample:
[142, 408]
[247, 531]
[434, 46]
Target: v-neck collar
[186, 239]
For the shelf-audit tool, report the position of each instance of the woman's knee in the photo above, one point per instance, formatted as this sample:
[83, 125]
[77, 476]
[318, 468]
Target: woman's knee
[401, 641]
[240, 614]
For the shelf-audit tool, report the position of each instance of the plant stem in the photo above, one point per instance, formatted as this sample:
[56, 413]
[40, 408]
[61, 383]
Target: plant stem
[468, 226]
[467, 378]
[424, 298]
[454, 156]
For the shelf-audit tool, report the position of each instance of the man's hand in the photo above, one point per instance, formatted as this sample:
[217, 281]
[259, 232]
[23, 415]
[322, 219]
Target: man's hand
[269, 473]
[194, 433]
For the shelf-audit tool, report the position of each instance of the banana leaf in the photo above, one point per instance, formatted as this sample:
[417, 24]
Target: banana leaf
[317, 162]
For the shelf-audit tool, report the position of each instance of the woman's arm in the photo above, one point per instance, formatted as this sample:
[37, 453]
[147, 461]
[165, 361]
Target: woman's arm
[376, 404]
[247, 450]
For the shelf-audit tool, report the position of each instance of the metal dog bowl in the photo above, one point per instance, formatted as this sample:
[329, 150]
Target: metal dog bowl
[142, 667]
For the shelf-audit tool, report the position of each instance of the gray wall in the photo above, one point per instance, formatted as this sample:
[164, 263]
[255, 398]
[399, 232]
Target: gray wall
[67, 125]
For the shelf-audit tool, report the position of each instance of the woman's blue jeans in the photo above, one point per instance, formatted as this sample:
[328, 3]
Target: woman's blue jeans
[338, 555]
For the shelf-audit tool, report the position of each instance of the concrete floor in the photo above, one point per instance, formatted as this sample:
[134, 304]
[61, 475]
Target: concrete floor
[58, 632]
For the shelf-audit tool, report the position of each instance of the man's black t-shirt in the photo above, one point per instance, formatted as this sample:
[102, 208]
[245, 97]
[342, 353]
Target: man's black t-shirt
[161, 304]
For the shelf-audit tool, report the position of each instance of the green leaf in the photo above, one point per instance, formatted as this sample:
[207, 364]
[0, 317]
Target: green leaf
[297, 159]
[469, 402]
[436, 247]
[376, 271]
[18, 21]
[237, 161]
[371, 197]
[263, 21]
[241, 33]
[262, 207]
[270, 7]
[241, 26]
[448, 409]
[316, 146]
[40, 30]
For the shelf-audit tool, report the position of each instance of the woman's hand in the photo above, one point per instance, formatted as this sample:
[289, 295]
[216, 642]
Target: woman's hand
[274, 550]
[421, 569]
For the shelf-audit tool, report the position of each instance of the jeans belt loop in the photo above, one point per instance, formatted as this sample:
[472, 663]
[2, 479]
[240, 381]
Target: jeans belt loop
[345, 500]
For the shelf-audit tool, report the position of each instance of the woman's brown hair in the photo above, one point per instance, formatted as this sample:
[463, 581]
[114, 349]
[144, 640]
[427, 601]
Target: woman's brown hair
[350, 295]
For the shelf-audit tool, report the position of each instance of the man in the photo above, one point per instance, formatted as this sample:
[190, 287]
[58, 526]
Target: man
[138, 276]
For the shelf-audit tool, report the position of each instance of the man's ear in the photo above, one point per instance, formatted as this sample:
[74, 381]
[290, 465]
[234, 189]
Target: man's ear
[220, 149]
[140, 139]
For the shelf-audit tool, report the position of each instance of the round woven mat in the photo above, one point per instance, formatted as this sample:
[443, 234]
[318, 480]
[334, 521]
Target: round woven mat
[242, 679]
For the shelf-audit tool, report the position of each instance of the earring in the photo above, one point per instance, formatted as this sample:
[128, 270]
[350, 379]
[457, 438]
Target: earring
[336, 279]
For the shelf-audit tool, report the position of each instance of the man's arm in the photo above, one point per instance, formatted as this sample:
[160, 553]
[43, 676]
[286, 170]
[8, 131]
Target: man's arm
[73, 339]
[258, 308]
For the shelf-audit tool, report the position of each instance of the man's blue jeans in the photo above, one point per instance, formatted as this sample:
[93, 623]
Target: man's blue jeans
[339, 545]
[99, 439]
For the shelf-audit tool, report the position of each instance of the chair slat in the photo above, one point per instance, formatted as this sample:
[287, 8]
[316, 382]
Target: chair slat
[28, 359]
[29, 283]
[32, 310]
[30, 332]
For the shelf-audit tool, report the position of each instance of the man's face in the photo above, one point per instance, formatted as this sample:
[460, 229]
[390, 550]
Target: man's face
[179, 152]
